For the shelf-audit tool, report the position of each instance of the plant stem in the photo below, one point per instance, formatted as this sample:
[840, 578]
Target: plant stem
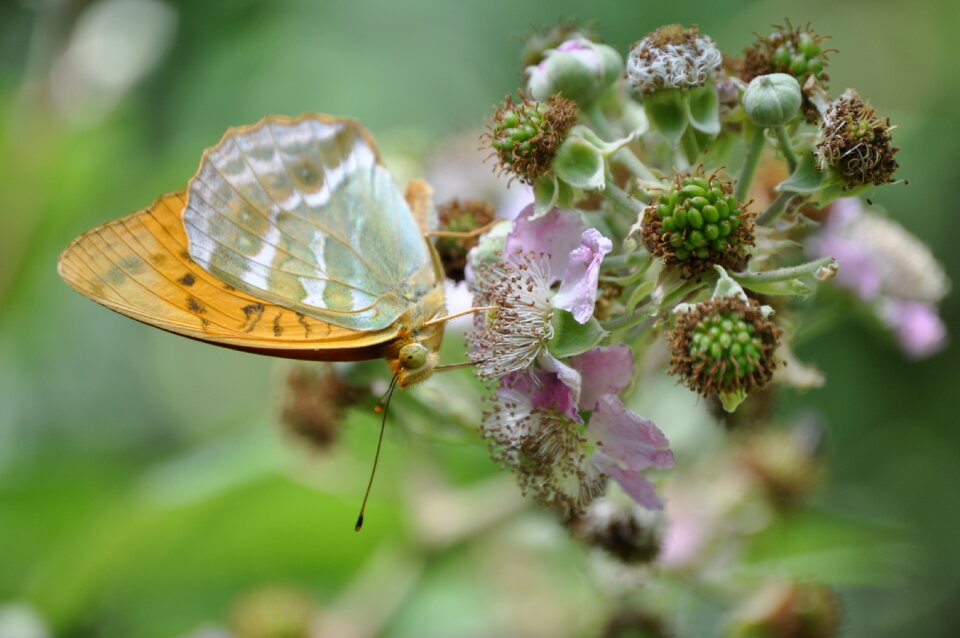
[810, 268]
[599, 123]
[622, 199]
[750, 165]
[775, 208]
[786, 148]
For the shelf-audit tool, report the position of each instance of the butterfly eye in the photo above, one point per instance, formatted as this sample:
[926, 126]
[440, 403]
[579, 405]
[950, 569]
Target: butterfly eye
[413, 356]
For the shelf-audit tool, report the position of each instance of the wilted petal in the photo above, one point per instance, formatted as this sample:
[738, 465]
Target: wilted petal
[604, 370]
[625, 436]
[918, 327]
[633, 482]
[578, 289]
[556, 235]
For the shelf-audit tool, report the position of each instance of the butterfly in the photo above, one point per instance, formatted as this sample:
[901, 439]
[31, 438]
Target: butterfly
[291, 240]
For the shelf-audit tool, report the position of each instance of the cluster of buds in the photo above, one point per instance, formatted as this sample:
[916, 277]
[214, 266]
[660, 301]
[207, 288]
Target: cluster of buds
[696, 223]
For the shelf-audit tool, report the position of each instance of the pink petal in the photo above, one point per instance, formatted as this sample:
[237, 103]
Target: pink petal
[918, 327]
[556, 234]
[578, 289]
[633, 482]
[555, 387]
[603, 370]
[625, 436]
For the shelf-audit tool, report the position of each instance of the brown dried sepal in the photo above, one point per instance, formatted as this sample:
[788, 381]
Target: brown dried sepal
[734, 258]
[460, 216]
[856, 142]
[698, 372]
[530, 159]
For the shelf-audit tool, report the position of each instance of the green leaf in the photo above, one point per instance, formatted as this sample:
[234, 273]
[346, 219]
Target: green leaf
[806, 179]
[545, 195]
[571, 338]
[580, 164]
[703, 109]
[668, 112]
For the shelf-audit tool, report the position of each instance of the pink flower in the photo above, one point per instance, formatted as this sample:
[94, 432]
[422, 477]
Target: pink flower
[917, 325]
[537, 429]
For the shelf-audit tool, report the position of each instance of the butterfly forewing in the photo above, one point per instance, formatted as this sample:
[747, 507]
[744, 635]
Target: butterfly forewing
[139, 266]
[300, 212]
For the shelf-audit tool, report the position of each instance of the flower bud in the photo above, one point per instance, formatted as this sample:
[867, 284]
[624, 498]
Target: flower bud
[797, 52]
[854, 143]
[725, 345]
[772, 100]
[672, 58]
[540, 42]
[695, 223]
[525, 136]
[578, 69]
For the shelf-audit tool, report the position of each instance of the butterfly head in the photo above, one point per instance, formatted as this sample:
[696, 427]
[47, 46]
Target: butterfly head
[414, 363]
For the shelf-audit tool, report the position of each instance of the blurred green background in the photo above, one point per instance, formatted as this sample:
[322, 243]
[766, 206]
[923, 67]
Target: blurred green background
[144, 483]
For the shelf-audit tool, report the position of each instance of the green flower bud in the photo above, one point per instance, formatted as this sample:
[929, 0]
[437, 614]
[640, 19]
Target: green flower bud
[685, 229]
[527, 135]
[772, 100]
[578, 69]
[724, 346]
[793, 51]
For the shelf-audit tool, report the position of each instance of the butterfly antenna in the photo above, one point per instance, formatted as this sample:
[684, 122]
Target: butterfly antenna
[385, 403]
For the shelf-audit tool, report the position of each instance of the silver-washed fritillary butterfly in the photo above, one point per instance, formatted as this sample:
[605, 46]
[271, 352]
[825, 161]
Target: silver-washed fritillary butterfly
[291, 240]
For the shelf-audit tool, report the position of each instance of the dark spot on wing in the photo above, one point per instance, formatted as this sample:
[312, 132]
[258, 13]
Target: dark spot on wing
[194, 306]
[228, 288]
[303, 322]
[185, 255]
[159, 259]
[253, 312]
[188, 279]
[277, 330]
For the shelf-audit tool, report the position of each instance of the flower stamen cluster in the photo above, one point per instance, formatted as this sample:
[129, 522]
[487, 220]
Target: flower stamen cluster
[510, 338]
[855, 142]
[673, 58]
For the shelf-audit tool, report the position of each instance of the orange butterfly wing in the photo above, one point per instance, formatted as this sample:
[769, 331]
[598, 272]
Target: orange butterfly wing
[139, 266]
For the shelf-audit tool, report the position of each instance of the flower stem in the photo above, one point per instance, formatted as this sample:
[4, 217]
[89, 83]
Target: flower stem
[786, 148]
[750, 165]
[775, 208]
[809, 268]
[681, 291]
[622, 199]
[599, 123]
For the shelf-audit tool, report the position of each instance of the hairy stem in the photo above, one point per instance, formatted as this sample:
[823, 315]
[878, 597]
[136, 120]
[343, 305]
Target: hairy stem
[786, 148]
[808, 269]
[622, 199]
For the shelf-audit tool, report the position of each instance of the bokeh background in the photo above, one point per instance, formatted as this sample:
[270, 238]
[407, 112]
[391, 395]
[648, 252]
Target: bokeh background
[145, 486]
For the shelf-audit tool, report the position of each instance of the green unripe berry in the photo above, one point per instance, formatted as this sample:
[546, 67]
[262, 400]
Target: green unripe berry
[710, 214]
[695, 219]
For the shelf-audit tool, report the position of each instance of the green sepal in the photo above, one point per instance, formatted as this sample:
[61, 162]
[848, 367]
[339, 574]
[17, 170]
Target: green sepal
[787, 287]
[571, 338]
[732, 400]
[550, 193]
[703, 109]
[807, 179]
[580, 164]
[667, 111]
[634, 118]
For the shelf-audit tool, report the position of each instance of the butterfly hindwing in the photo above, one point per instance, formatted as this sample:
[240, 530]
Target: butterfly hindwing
[301, 213]
[139, 266]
